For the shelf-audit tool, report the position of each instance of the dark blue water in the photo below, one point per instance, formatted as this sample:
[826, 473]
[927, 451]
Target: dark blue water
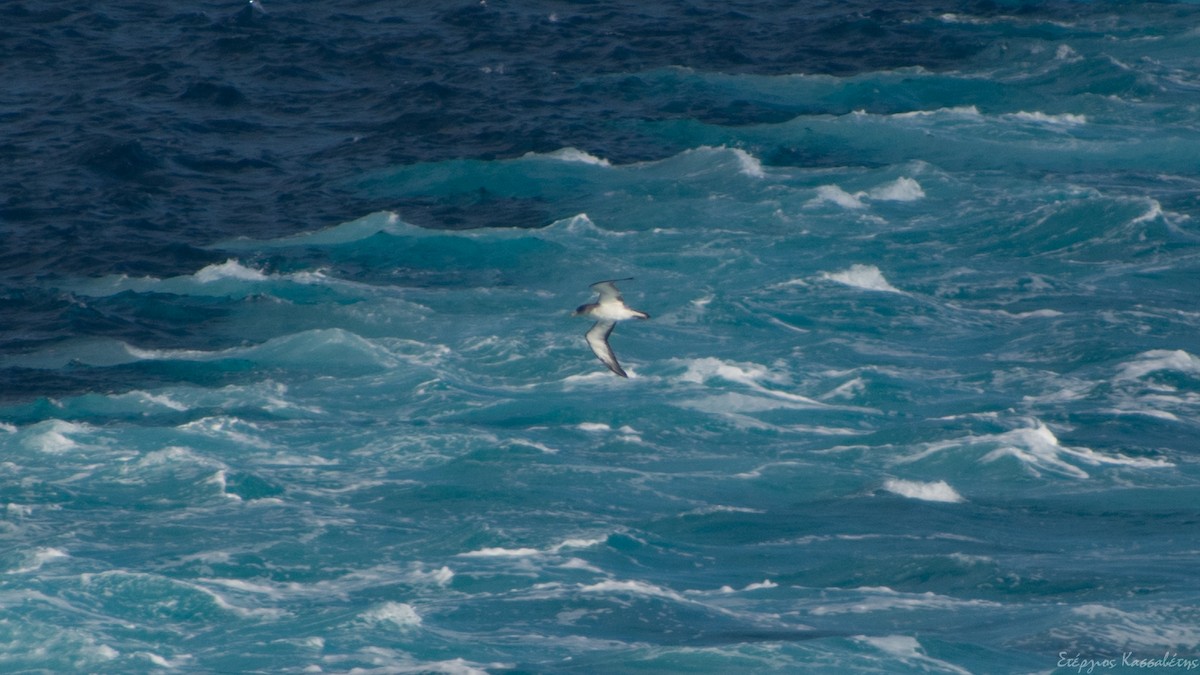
[289, 381]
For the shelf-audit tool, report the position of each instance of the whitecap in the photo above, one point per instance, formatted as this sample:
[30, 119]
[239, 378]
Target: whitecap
[968, 111]
[355, 230]
[160, 399]
[750, 375]
[310, 349]
[1066, 53]
[749, 164]
[1037, 449]
[939, 491]
[163, 662]
[578, 225]
[498, 552]
[909, 650]
[38, 558]
[866, 277]
[847, 390]
[526, 552]
[1160, 359]
[52, 438]
[577, 543]
[633, 588]
[232, 429]
[836, 195]
[439, 577]
[902, 189]
[1064, 119]
[230, 269]
[1154, 211]
[1155, 627]
[757, 472]
[718, 508]
[871, 599]
[573, 155]
[535, 445]
[400, 614]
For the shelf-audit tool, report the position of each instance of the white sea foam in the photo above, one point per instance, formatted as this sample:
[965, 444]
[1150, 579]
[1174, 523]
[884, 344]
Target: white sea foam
[951, 17]
[735, 403]
[162, 400]
[847, 390]
[52, 437]
[535, 445]
[761, 585]
[1154, 211]
[498, 552]
[750, 165]
[38, 558]
[400, 614]
[720, 508]
[163, 662]
[938, 491]
[355, 230]
[231, 429]
[836, 195]
[870, 599]
[902, 189]
[750, 375]
[526, 552]
[1166, 627]
[230, 269]
[1066, 53]
[633, 587]
[866, 277]
[908, 650]
[458, 666]
[965, 111]
[1038, 450]
[574, 155]
[1064, 119]
[757, 472]
[1160, 359]
[310, 349]
[439, 577]
[573, 543]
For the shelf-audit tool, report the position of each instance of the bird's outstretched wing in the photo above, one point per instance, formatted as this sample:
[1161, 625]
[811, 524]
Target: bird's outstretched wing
[597, 339]
[608, 289]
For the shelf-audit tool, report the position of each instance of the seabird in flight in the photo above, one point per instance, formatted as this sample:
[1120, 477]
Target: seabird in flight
[607, 311]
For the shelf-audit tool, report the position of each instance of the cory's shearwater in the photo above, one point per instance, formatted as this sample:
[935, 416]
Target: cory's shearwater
[607, 311]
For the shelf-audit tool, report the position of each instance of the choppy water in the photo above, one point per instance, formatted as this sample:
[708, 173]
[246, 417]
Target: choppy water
[290, 381]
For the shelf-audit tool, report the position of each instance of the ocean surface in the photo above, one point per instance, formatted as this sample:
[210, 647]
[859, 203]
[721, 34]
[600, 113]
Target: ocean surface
[289, 380]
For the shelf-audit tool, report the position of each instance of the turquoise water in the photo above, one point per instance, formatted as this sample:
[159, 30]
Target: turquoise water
[920, 393]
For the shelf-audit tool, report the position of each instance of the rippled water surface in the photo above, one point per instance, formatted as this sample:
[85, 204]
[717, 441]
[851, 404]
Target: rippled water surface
[289, 380]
